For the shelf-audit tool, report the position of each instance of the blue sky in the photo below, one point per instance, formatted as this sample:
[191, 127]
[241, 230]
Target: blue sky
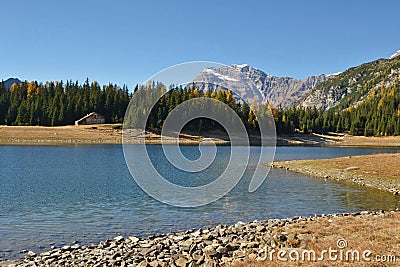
[126, 42]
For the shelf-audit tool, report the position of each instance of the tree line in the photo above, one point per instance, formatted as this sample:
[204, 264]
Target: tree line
[377, 115]
[58, 103]
[167, 100]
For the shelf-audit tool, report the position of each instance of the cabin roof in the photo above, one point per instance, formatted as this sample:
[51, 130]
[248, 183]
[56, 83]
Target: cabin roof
[87, 116]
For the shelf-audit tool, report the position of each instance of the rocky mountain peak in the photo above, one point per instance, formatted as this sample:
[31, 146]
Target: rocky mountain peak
[250, 83]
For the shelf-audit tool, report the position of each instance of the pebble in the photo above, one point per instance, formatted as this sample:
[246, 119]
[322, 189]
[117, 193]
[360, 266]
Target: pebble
[221, 245]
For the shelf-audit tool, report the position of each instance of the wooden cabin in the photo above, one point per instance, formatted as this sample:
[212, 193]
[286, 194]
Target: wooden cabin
[91, 118]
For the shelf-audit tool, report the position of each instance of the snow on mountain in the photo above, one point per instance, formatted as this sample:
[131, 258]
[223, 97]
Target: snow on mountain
[250, 83]
[333, 74]
[395, 55]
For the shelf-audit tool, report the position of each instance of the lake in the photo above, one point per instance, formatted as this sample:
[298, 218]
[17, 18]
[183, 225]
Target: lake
[57, 195]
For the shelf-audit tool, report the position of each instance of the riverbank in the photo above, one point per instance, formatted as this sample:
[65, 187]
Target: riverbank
[244, 244]
[112, 134]
[380, 171]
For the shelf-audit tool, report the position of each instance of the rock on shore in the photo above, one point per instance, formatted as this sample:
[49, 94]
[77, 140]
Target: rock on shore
[221, 245]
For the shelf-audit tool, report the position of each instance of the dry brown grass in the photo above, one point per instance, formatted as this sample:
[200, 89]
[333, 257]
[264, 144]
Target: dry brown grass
[103, 133]
[380, 170]
[379, 234]
[384, 165]
[98, 133]
[386, 141]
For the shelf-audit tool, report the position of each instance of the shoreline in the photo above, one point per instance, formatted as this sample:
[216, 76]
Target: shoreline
[223, 245]
[360, 170]
[112, 134]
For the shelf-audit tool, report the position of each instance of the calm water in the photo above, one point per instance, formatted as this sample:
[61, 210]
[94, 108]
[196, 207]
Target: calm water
[56, 195]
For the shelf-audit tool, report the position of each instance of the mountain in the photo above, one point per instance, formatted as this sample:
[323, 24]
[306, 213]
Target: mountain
[395, 55]
[250, 82]
[10, 81]
[353, 86]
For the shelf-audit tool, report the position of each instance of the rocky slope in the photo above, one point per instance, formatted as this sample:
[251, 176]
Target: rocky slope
[251, 83]
[353, 86]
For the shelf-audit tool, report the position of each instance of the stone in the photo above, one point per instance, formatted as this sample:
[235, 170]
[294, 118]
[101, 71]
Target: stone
[154, 264]
[233, 246]
[181, 262]
[66, 248]
[210, 263]
[75, 246]
[282, 238]
[193, 264]
[145, 244]
[210, 251]
[31, 254]
[200, 261]
[186, 244]
[133, 239]
[116, 255]
[147, 251]
[260, 228]
[119, 239]
[46, 254]
[197, 233]
[143, 264]
[226, 260]
[197, 255]
[252, 245]
[222, 250]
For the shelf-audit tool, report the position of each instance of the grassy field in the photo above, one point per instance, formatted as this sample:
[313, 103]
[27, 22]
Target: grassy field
[102, 133]
[86, 134]
[380, 170]
[379, 234]
[109, 134]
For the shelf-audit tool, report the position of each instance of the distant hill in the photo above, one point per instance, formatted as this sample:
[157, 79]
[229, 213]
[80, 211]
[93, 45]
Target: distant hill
[10, 81]
[353, 86]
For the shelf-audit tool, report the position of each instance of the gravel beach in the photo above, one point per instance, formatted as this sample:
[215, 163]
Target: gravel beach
[222, 245]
